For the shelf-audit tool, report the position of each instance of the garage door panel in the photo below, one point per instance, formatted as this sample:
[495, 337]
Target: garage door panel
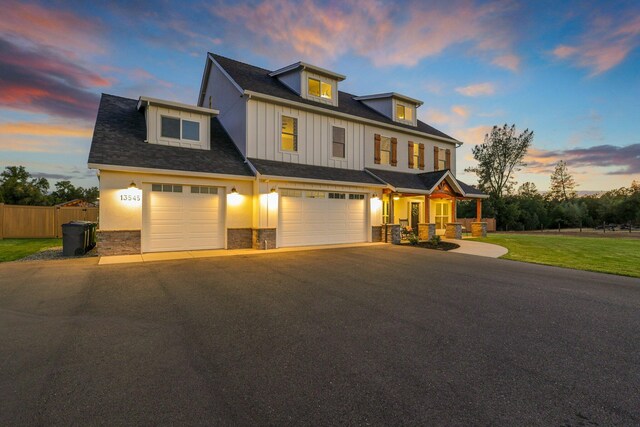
[183, 221]
[319, 221]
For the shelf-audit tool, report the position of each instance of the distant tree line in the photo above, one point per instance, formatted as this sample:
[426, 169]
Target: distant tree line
[18, 187]
[525, 208]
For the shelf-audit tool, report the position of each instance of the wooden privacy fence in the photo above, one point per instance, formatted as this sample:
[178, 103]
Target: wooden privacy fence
[466, 222]
[17, 221]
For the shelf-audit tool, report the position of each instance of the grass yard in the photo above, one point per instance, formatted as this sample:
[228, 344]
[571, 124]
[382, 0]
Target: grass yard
[605, 255]
[13, 249]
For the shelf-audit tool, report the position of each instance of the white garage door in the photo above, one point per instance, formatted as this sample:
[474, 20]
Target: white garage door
[321, 218]
[181, 217]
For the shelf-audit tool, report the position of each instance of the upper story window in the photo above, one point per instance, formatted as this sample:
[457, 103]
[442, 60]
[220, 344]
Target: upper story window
[404, 113]
[440, 157]
[289, 137]
[338, 146]
[414, 156]
[385, 150]
[173, 127]
[319, 88]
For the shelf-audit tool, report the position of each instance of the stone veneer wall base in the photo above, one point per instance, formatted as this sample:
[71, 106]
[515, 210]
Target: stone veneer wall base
[118, 242]
[239, 238]
[392, 233]
[264, 238]
[426, 231]
[376, 233]
[479, 229]
[453, 230]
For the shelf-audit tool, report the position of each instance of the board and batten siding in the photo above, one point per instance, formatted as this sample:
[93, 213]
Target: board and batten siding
[314, 136]
[403, 151]
[227, 99]
[154, 123]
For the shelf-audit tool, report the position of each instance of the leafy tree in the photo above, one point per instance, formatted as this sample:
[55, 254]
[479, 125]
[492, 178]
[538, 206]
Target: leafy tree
[499, 157]
[65, 191]
[562, 183]
[18, 187]
[91, 194]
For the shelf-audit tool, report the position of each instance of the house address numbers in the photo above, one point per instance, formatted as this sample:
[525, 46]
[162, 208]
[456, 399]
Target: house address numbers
[130, 197]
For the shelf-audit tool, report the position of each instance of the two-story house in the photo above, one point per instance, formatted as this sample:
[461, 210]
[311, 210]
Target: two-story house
[270, 159]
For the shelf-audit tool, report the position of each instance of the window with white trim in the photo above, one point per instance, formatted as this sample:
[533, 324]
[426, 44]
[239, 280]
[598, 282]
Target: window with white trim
[385, 150]
[442, 159]
[200, 189]
[319, 88]
[289, 136]
[176, 128]
[404, 112]
[338, 146]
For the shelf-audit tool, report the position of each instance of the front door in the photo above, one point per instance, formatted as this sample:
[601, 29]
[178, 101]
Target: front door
[415, 215]
[442, 215]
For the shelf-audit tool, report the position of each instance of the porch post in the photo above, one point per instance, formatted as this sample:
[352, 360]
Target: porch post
[426, 209]
[454, 216]
[391, 209]
[478, 210]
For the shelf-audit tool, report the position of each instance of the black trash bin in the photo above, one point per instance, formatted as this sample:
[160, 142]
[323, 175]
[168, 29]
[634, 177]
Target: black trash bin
[77, 237]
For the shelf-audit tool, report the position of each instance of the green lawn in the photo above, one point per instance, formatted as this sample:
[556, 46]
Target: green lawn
[606, 255]
[13, 249]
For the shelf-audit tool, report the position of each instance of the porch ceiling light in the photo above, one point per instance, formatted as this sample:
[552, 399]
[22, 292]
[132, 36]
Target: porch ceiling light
[396, 197]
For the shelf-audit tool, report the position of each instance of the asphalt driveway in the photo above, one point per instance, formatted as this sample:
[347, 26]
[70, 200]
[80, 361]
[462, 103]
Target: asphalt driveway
[378, 335]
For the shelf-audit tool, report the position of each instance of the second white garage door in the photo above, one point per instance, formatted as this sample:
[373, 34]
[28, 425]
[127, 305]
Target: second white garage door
[181, 217]
[321, 218]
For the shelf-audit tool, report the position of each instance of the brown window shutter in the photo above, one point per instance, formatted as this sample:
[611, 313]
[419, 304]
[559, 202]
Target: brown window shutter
[394, 151]
[421, 156]
[376, 149]
[447, 159]
[435, 158]
[411, 155]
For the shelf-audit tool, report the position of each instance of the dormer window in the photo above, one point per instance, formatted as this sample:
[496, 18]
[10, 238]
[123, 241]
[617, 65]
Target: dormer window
[404, 113]
[173, 127]
[319, 88]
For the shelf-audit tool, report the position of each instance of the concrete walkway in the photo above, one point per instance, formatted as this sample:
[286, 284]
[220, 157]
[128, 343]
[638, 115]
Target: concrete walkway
[167, 256]
[471, 247]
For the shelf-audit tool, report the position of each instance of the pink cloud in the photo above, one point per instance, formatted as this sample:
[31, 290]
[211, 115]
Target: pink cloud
[477, 89]
[619, 160]
[386, 34]
[51, 27]
[606, 44]
[510, 62]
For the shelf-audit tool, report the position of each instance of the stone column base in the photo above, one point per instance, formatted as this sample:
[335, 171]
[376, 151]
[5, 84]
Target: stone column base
[453, 230]
[376, 233]
[264, 238]
[392, 233]
[426, 231]
[239, 238]
[118, 242]
[479, 229]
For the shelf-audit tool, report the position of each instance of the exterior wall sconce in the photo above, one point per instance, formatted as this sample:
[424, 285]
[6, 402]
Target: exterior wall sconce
[133, 185]
[273, 190]
[234, 191]
[374, 196]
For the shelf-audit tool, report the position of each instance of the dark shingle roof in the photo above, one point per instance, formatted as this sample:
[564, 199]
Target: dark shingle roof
[120, 131]
[257, 79]
[470, 189]
[295, 170]
[420, 181]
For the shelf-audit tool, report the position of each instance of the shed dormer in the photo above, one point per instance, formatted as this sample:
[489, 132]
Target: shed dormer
[177, 124]
[311, 82]
[399, 108]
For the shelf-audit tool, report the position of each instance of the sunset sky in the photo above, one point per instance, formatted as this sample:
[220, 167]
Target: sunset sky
[570, 71]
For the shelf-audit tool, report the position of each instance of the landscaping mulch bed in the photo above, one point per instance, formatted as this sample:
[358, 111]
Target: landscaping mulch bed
[442, 246]
[55, 253]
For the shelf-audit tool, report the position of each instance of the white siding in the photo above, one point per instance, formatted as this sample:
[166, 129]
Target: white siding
[227, 99]
[154, 123]
[314, 137]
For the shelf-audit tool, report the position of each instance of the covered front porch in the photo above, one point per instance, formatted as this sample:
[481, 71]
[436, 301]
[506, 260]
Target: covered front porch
[429, 210]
